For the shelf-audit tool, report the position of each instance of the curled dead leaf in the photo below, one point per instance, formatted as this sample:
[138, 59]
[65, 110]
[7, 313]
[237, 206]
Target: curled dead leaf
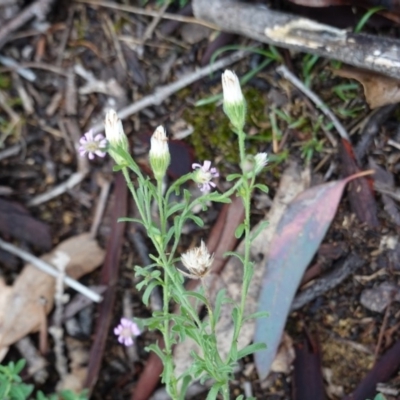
[379, 90]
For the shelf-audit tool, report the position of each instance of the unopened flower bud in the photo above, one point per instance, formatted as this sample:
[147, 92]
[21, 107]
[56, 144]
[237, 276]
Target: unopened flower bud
[116, 136]
[197, 261]
[261, 160]
[234, 102]
[159, 153]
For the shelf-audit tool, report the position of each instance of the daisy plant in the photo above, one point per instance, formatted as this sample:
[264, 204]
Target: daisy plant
[169, 268]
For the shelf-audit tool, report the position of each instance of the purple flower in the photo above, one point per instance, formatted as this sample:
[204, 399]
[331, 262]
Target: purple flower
[126, 331]
[92, 145]
[203, 175]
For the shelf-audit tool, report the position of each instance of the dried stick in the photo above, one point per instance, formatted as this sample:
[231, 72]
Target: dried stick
[48, 269]
[72, 181]
[37, 9]
[142, 11]
[380, 54]
[60, 261]
[164, 92]
[317, 101]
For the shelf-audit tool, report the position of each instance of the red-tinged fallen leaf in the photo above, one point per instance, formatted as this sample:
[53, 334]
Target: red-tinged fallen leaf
[308, 383]
[382, 371]
[109, 276]
[360, 192]
[297, 239]
[16, 221]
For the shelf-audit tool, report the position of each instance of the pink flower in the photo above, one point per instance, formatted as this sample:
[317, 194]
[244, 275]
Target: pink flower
[126, 331]
[92, 145]
[204, 174]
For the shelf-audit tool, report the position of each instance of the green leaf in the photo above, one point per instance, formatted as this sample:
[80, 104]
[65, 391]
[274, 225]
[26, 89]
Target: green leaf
[234, 254]
[21, 392]
[260, 227]
[19, 366]
[213, 393]
[197, 220]
[175, 208]
[258, 314]
[263, 188]
[155, 349]
[186, 381]
[250, 349]
[148, 291]
[239, 231]
[197, 296]
[231, 177]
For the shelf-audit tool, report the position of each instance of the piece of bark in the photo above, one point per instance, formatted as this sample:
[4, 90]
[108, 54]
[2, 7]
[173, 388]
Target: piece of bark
[258, 22]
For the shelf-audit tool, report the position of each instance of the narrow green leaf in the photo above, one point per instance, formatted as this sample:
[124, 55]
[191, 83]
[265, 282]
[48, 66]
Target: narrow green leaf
[213, 393]
[258, 314]
[19, 366]
[260, 227]
[197, 220]
[231, 177]
[197, 296]
[263, 188]
[250, 349]
[147, 292]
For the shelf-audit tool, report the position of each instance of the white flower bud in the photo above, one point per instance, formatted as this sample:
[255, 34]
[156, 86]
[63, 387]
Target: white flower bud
[231, 88]
[234, 102]
[261, 160]
[116, 136]
[159, 153]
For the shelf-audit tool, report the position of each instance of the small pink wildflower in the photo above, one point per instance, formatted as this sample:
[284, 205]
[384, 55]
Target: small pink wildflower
[126, 331]
[204, 174]
[92, 145]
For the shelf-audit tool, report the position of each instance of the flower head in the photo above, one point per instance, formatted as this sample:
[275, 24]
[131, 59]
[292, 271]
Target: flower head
[261, 160]
[234, 102]
[203, 175]
[159, 153]
[198, 262]
[92, 145]
[115, 135]
[126, 331]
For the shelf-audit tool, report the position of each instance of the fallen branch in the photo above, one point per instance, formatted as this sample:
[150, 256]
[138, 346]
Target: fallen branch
[380, 54]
